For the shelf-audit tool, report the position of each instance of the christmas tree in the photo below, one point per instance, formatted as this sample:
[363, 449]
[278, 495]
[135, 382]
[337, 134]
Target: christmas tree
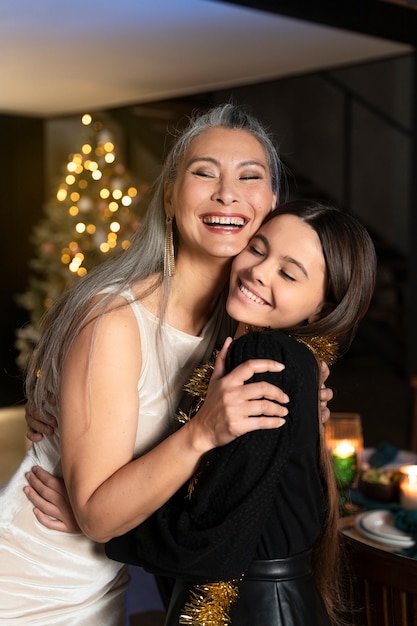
[95, 211]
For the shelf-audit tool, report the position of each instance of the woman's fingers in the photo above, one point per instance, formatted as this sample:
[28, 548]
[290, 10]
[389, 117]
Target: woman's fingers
[325, 393]
[39, 424]
[219, 366]
[49, 497]
[53, 523]
[233, 408]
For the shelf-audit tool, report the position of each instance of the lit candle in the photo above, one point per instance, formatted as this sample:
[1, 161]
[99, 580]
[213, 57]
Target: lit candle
[408, 487]
[344, 463]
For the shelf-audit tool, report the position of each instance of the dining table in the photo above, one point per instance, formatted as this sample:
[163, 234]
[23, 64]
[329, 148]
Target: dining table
[379, 560]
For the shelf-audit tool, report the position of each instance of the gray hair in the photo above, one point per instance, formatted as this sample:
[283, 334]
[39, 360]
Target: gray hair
[143, 259]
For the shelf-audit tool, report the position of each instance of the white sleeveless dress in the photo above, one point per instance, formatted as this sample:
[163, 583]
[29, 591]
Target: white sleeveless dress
[53, 578]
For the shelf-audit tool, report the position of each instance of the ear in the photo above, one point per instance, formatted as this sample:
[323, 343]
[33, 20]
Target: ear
[274, 200]
[168, 201]
[323, 311]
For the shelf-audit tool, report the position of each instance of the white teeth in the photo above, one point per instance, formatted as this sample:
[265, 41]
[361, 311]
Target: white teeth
[224, 220]
[251, 295]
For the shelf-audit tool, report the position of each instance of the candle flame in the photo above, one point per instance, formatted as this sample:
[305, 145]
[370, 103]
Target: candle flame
[411, 472]
[344, 449]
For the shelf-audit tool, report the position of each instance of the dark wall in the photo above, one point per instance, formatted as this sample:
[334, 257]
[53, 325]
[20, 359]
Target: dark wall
[22, 193]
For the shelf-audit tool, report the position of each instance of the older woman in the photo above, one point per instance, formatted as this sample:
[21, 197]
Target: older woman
[113, 358]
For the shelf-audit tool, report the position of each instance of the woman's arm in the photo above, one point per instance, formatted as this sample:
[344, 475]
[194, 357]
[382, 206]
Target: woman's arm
[224, 416]
[40, 424]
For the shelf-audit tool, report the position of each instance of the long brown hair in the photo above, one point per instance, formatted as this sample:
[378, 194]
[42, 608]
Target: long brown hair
[350, 261]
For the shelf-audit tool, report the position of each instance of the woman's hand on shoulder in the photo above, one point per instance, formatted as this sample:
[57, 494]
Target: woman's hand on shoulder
[232, 408]
[38, 423]
[325, 393]
[50, 499]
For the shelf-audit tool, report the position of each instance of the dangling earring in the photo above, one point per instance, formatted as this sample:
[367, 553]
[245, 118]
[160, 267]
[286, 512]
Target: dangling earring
[169, 257]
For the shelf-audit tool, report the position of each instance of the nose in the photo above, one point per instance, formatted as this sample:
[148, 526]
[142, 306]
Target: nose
[226, 191]
[261, 272]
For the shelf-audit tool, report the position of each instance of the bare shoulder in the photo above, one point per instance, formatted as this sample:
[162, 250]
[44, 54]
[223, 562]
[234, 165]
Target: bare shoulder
[110, 328]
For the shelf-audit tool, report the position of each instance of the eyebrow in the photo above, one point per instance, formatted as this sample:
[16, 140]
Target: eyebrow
[216, 162]
[288, 259]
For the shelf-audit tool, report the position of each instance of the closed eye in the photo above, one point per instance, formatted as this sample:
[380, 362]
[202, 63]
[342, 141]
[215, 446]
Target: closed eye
[251, 177]
[255, 250]
[203, 174]
[287, 276]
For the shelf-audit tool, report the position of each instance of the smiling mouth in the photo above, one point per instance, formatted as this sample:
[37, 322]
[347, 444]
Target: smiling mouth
[224, 221]
[252, 296]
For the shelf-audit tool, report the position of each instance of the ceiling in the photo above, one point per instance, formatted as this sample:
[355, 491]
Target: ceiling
[60, 57]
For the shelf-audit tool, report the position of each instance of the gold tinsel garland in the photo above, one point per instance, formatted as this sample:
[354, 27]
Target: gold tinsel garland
[209, 604]
[197, 388]
[324, 348]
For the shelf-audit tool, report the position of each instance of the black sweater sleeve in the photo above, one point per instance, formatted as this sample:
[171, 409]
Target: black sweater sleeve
[213, 535]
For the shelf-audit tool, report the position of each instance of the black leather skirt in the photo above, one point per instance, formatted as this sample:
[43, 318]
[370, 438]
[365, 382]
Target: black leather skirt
[272, 593]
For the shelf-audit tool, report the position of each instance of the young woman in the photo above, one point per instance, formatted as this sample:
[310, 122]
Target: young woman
[252, 538]
[110, 368]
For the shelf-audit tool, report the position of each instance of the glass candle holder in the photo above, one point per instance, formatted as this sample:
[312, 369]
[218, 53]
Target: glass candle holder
[344, 439]
[408, 487]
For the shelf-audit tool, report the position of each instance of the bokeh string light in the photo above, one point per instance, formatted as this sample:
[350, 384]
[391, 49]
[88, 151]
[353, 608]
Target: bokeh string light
[104, 224]
[95, 210]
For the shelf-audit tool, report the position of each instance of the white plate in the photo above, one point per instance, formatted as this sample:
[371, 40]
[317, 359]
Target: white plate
[382, 523]
[402, 542]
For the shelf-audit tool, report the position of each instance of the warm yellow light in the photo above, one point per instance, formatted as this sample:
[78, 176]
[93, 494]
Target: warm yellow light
[71, 167]
[75, 196]
[115, 227]
[344, 449]
[117, 194]
[111, 237]
[77, 158]
[108, 146]
[73, 246]
[96, 175]
[70, 179]
[113, 206]
[126, 201]
[86, 149]
[86, 119]
[104, 193]
[132, 192]
[104, 247]
[93, 166]
[80, 227]
[91, 229]
[73, 210]
[82, 183]
[125, 244]
[61, 194]
[65, 259]
[82, 271]
[109, 157]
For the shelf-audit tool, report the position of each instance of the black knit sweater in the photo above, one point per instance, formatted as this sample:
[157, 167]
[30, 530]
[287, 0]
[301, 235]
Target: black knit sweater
[260, 496]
